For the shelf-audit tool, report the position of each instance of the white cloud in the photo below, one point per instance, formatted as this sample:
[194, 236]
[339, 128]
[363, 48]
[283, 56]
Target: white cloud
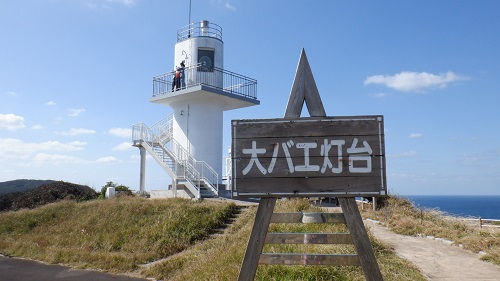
[408, 81]
[123, 2]
[415, 135]
[105, 4]
[12, 94]
[121, 132]
[17, 149]
[50, 103]
[76, 112]
[78, 131]
[123, 146]
[11, 122]
[224, 4]
[54, 159]
[108, 160]
[78, 143]
[37, 127]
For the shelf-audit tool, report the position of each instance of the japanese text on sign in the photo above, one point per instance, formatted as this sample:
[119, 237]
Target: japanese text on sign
[356, 153]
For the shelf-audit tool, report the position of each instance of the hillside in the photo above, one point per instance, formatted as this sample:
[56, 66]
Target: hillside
[174, 239]
[21, 185]
[45, 194]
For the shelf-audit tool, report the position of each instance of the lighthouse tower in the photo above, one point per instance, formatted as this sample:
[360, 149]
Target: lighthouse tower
[188, 142]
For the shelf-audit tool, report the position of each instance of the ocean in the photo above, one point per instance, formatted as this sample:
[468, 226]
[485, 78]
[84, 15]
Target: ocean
[483, 206]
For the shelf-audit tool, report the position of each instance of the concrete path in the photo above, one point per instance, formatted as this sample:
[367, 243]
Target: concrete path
[438, 261]
[12, 269]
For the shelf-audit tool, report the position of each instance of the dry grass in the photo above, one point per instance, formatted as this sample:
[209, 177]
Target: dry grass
[119, 235]
[220, 258]
[404, 218]
[114, 235]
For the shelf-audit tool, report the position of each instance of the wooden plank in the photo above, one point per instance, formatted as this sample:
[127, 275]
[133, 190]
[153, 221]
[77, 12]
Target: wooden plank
[307, 218]
[308, 238]
[257, 238]
[360, 237]
[310, 187]
[308, 127]
[309, 259]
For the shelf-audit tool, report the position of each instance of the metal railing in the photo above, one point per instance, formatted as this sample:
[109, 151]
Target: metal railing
[164, 128]
[199, 29]
[185, 166]
[214, 77]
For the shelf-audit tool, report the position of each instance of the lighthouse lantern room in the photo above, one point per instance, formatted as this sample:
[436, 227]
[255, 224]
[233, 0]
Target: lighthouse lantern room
[187, 143]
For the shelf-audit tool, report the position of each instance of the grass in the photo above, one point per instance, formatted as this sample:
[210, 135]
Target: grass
[121, 234]
[113, 235]
[404, 218]
[221, 258]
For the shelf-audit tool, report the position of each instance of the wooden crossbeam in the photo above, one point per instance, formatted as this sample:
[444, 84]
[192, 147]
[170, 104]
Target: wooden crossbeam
[308, 238]
[308, 218]
[309, 259]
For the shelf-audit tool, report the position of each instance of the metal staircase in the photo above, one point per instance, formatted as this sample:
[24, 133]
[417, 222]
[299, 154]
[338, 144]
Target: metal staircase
[197, 177]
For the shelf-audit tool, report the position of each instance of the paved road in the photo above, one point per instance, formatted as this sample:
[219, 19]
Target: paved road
[12, 269]
[438, 261]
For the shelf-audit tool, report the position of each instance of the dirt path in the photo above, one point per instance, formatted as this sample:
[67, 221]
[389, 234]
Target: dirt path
[438, 261]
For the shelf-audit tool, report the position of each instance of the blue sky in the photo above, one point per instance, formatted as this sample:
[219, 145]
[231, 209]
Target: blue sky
[75, 75]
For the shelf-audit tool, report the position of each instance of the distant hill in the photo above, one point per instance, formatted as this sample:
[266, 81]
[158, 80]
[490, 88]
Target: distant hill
[45, 194]
[21, 185]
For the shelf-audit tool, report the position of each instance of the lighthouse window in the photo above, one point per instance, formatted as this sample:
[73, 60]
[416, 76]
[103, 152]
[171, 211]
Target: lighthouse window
[206, 60]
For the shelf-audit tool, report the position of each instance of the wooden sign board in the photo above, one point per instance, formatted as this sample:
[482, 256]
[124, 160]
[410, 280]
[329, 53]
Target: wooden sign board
[308, 157]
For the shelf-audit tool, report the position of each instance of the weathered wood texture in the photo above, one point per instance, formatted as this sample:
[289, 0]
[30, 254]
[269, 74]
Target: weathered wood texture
[360, 238]
[309, 259]
[257, 238]
[304, 89]
[308, 218]
[308, 238]
[310, 187]
[331, 126]
[334, 155]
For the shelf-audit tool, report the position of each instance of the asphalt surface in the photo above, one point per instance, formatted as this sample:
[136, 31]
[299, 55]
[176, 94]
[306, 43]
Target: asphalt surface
[13, 269]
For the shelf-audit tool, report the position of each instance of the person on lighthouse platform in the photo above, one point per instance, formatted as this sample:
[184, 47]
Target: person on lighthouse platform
[178, 79]
[182, 78]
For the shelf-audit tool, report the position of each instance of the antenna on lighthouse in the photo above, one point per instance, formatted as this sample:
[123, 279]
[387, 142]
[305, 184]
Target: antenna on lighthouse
[189, 12]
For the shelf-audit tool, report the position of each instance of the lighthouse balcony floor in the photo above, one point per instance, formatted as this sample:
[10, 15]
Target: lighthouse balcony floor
[202, 80]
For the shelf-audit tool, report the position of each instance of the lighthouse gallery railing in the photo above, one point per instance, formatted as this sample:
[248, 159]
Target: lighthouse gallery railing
[214, 77]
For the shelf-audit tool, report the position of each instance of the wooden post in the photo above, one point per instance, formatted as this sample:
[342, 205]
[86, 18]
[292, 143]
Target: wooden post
[257, 238]
[360, 238]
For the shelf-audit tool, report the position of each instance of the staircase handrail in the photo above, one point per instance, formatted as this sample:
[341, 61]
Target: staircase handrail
[194, 170]
[198, 169]
[164, 128]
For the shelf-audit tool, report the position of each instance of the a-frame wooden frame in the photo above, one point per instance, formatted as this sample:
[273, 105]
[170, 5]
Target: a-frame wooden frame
[304, 90]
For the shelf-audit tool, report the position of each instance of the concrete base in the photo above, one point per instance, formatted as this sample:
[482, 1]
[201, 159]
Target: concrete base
[155, 194]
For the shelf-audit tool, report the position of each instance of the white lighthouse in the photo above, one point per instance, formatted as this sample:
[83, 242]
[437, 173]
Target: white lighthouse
[188, 142]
